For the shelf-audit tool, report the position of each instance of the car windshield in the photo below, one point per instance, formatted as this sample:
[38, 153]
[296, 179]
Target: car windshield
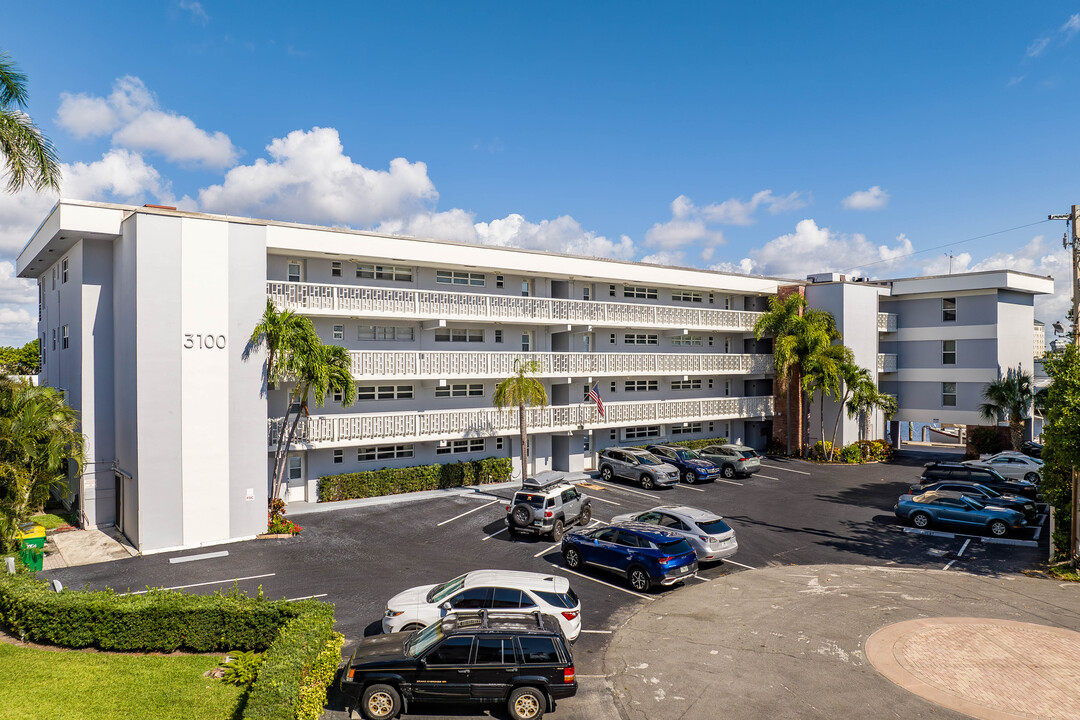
[649, 459]
[441, 592]
[714, 527]
[687, 455]
[748, 453]
[674, 547]
[989, 492]
[418, 644]
[564, 600]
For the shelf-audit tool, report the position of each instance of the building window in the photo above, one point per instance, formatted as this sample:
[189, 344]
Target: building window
[710, 383]
[498, 443]
[948, 309]
[384, 332]
[948, 394]
[384, 452]
[296, 271]
[586, 343]
[63, 271]
[296, 467]
[65, 338]
[498, 336]
[641, 339]
[686, 428]
[636, 291]
[686, 296]
[612, 338]
[384, 392]
[586, 293]
[458, 335]
[727, 387]
[948, 352]
[641, 385]
[687, 341]
[54, 339]
[613, 434]
[339, 332]
[469, 445]
[526, 342]
[339, 457]
[498, 281]
[686, 384]
[711, 299]
[611, 290]
[460, 390]
[384, 272]
[335, 268]
[525, 288]
[614, 386]
[339, 396]
[586, 446]
[459, 277]
[641, 432]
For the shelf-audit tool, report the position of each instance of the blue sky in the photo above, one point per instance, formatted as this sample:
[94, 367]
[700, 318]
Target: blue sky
[774, 138]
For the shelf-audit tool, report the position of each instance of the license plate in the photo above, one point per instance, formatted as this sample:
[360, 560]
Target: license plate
[537, 523]
[684, 568]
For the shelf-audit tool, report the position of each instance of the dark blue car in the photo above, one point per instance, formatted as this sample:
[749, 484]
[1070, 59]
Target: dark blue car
[644, 554]
[692, 467]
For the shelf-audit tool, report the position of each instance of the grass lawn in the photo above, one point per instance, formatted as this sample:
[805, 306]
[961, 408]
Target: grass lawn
[50, 521]
[99, 686]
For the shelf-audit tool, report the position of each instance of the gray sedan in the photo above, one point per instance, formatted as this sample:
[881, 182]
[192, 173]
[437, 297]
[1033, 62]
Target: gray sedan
[707, 533]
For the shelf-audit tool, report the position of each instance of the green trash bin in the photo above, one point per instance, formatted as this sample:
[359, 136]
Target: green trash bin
[33, 557]
[31, 535]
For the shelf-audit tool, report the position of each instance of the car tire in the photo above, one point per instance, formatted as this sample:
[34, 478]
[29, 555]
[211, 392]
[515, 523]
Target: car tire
[412, 627]
[558, 530]
[526, 703]
[998, 528]
[380, 702]
[639, 579]
[646, 482]
[572, 557]
[1032, 477]
[920, 520]
[586, 516]
[606, 473]
[522, 515]
[729, 471]
[689, 477]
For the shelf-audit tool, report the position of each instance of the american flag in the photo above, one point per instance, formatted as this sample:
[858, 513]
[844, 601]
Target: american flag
[594, 395]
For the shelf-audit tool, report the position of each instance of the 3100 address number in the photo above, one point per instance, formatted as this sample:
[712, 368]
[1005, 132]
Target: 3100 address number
[204, 342]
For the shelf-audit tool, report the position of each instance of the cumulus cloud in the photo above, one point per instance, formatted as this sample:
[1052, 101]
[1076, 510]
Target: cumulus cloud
[690, 223]
[740, 212]
[134, 118]
[666, 257]
[18, 325]
[873, 199]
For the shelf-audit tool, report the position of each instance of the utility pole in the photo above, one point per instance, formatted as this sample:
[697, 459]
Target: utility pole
[1073, 239]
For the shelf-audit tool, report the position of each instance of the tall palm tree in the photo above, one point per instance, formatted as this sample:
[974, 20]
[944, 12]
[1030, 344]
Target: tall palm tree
[865, 399]
[522, 390]
[814, 333]
[851, 376]
[823, 374]
[1009, 398]
[781, 322]
[29, 157]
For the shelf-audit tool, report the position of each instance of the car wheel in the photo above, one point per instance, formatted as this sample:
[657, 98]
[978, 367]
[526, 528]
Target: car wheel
[1032, 477]
[586, 516]
[522, 515]
[526, 703]
[729, 471]
[646, 482]
[998, 528]
[558, 531]
[920, 520]
[639, 579]
[689, 477]
[380, 702]
[412, 627]
[572, 558]
[605, 472]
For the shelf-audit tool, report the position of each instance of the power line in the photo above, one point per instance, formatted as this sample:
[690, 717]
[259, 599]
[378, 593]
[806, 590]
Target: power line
[945, 245]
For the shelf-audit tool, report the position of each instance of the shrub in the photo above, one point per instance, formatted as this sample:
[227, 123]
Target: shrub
[691, 444]
[875, 450]
[242, 668]
[318, 680]
[986, 440]
[391, 481]
[820, 449]
[851, 454]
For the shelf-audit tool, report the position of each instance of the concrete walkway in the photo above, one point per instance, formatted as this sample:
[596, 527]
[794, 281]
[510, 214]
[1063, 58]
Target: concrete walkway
[791, 642]
[85, 547]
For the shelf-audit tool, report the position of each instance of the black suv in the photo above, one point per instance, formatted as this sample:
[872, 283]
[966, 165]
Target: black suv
[488, 657]
[948, 471]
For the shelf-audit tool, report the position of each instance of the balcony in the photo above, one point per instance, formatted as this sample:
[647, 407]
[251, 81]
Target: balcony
[886, 362]
[335, 431]
[886, 322]
[369, 302]
[397, 364]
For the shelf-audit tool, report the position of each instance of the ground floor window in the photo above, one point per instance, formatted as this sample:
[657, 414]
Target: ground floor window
[686, 384]
[460, 390]
[339, 457]
[296, 467]
[455, 447]
[384, 392]
[641, 432]
[384, 452]
[686, 429]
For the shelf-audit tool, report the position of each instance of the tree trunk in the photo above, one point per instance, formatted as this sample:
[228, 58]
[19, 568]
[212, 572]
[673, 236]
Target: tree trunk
[279, 455]
[524, 443]
[1016, 429]
[805, 449]
[836, 425]
[280, 480]
[821, 419]
[790, 424]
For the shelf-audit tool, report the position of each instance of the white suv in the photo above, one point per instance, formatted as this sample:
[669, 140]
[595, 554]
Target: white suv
[501, 590]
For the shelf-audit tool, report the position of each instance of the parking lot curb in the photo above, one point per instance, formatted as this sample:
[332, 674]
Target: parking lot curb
[306, 508]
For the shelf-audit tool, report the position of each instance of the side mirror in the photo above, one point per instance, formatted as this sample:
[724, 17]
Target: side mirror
[447, 606]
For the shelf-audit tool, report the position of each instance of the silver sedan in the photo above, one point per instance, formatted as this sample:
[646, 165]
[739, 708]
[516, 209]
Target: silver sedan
[1015, 467]
[711, 537]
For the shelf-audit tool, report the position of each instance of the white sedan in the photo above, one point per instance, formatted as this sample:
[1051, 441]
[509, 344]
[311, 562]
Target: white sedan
[1012, 466]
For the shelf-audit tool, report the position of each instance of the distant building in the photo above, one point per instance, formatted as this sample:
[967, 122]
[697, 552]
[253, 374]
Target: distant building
[1040, 339]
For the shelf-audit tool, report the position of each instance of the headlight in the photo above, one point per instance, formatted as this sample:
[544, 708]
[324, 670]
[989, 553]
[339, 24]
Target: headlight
[394, 613]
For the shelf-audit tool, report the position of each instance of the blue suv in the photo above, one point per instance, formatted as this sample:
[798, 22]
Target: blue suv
[644, 554]
[692, 467]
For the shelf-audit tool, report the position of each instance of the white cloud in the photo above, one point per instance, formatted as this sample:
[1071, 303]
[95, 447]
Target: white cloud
[666, 257]
[132, 115]
[18, 326]
[690, 223]
[1036, 48]
[738, 212]
[198, 13]
[1071, 26]
[119, 175]
[873, 199]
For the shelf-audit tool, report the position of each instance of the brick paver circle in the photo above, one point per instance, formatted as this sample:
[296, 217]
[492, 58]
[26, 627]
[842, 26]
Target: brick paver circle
[989, 669]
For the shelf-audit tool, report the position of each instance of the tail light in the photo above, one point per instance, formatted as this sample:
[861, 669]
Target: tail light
[507, 508]
[568, 675]
[570, 614]
[549, 513]
[667, 558]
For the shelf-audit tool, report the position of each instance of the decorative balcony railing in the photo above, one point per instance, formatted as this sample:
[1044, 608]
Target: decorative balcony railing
[371, 302]
[886, 362]
[379, 365]
[370, 428]
[886, 322]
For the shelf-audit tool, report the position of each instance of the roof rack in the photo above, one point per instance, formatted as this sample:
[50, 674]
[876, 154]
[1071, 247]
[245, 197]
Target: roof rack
[548, 478]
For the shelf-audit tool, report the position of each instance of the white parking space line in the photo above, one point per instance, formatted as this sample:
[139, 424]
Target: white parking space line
[603, 582]
[767, 477]
[203, 556]
[212, 582]
[698, 577]
[729, 482]
[958, 555]
[777, 467]
[1009, 541]
[468, 512]
[609, 502]
[931, 533]
[626, 490]
[732, 562]
[497, 532]
[598, 632]
[547, 550]
[306, 597]
[687, 487]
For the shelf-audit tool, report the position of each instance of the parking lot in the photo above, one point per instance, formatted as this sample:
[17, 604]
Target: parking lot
[790, 513]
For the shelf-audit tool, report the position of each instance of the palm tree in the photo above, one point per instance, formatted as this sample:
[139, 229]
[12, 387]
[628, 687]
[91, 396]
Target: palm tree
[522, 391]
[851, 376]
[781, 322]
[1009, 398]
[29, 156]
[823, 374]
[865, 398]
[814, 334]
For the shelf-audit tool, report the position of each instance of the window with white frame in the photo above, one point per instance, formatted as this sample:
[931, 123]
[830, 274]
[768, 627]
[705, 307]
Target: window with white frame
[296, 467]
[498, 336]
[687, 341]
[641, 385]
[459, 277]
[948, 309]
[499, 443]
[295, 271]
[637, 291]
[686, 296]
[384, 332]
[54, 338]
[613, 434]
[611, 290]
[686, 428]
[526, 342]
[339, 396]
[65, 338]
[458, 335]
[384, 392]
[384, 272]
[641, 339]
[384, 452]
[694, 384]
[727, 387]
[335, 268]
[948, 394]
[339, 457]
[641, 432]
[63, 271]
[498, 281]
[948, 352]
[586, 293]
[456, 447]
[339, 332]
[526, 288]
[614, 386]
[612, 338]
[460, 390]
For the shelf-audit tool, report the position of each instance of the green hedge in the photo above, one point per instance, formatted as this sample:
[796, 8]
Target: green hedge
[319, 678]
[692, 444]
[392, 481]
